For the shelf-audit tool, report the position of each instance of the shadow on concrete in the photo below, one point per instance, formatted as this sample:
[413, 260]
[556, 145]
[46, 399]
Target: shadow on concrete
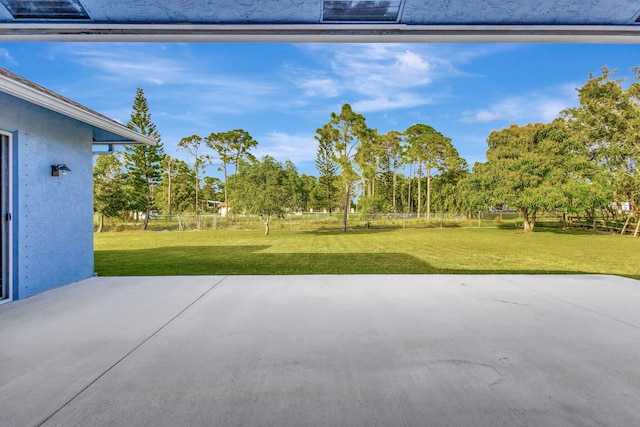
[249, 260]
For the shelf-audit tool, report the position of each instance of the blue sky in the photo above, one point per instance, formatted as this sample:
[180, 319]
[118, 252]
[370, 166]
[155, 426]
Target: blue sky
[281, 93]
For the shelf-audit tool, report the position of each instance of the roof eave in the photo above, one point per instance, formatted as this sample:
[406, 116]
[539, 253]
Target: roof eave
[326, 32]
[30, 94]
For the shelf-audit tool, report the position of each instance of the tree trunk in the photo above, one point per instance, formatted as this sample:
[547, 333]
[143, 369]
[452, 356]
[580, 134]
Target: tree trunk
[428, 193]
[169, 195]
[197, 185]
[626, 224]
[528, 220]
[147, 207]
[409, 192]
[345, 214]
[197, 167]
[419, 189]
[329, 196]
[100, 223]
[145, 223]
[266, 224]
[226, 200]
[394, 191]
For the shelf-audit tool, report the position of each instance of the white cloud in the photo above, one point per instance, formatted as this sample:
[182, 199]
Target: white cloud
[180, 84]
[130, 63]
[380, 69]
[379, 76]
[155, 65]
[5, 56]
[400, 100]
[537, 106]
[283, 146]
[318, 86]
[155, 81]
[481, 116]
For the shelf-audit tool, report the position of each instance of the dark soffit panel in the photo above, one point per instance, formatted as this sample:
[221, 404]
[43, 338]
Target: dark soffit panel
[46, 9]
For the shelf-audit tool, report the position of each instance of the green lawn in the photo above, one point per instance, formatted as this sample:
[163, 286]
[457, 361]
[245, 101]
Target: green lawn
[457, 251]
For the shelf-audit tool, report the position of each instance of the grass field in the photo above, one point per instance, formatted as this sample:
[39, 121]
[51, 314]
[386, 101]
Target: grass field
[374, 251]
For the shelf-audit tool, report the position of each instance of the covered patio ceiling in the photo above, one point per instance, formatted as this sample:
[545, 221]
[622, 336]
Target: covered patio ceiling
[593, 21]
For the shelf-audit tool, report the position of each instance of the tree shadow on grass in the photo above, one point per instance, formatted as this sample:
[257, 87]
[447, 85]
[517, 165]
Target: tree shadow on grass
[356, 231]
[567, 232]
[249, 260]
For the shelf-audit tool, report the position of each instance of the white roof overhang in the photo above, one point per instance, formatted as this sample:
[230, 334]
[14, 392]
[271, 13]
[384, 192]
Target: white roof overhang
[106, 130]
[116, 32]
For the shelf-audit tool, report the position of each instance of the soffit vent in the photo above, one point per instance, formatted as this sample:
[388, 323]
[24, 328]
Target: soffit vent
[46, 9]
[361, 11]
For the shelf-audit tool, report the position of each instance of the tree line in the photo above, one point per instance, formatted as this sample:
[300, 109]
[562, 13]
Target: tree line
[585, 162]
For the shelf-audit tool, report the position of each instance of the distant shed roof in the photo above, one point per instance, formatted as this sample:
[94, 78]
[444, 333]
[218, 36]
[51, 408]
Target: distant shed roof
[108, 130]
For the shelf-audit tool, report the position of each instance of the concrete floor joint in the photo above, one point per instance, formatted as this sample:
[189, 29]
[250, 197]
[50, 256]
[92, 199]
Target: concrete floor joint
[106, 371]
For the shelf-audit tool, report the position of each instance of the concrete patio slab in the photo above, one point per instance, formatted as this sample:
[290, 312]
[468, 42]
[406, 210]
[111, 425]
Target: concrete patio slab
[324, 351]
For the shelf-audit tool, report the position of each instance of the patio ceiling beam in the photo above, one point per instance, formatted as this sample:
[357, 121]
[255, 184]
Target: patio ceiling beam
[358, 33]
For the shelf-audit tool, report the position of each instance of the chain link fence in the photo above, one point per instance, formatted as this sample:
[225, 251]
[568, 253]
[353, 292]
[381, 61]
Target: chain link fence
[326, 221]
[623, 223]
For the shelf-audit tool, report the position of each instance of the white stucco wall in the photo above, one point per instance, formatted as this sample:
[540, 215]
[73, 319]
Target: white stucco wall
[53, 236]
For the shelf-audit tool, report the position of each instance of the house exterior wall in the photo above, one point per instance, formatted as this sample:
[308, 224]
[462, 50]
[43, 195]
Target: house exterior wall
[52, 216]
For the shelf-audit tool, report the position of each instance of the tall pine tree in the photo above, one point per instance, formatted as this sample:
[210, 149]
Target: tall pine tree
[144, 170]
[328, 169]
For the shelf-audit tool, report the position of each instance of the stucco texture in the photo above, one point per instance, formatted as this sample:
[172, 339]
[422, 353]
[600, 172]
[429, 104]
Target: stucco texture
[53, 228]
[618, 12]
[584, 12]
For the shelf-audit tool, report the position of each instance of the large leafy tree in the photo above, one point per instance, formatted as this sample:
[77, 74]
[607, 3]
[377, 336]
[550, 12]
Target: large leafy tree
[447, 186]
[109, 196]
[306, 185]
[430, 151]
[344, 132]
[606, 126]
[262, 188]
[530, 167]
[299, 187]
[143, 162]
[474, 190]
